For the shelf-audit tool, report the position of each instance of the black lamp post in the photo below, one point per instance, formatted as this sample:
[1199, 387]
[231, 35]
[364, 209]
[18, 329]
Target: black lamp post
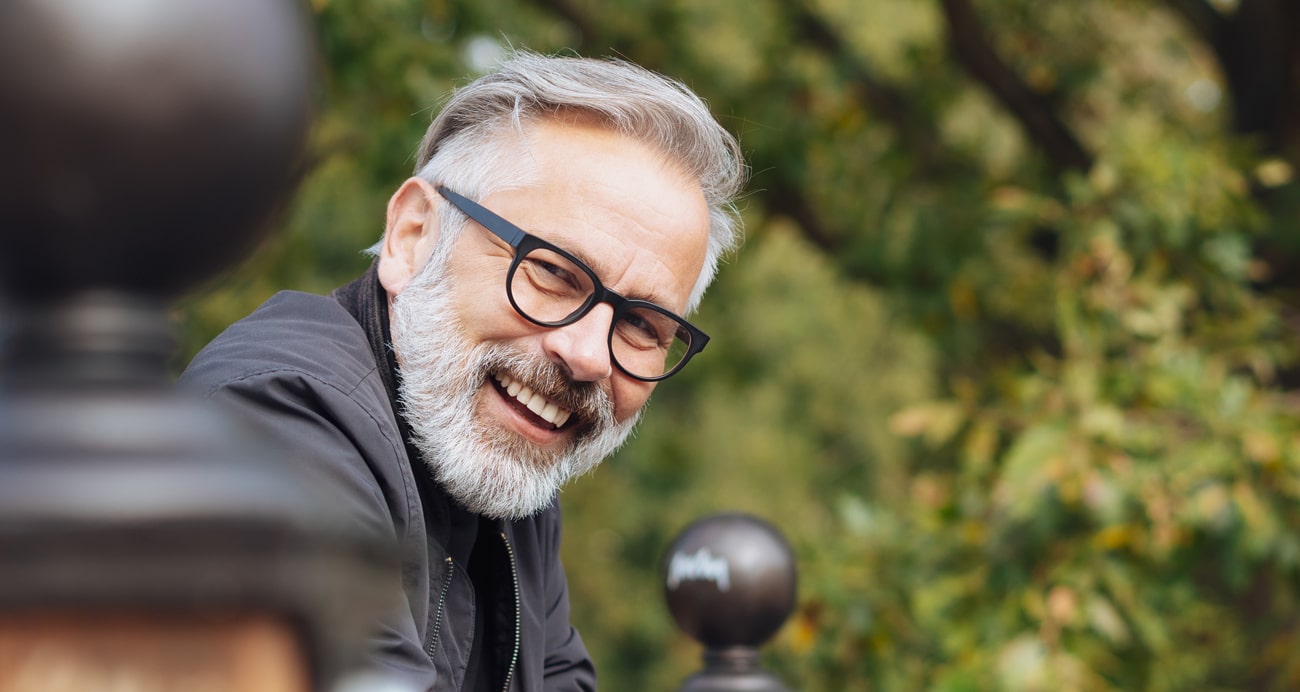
[730, 582]
[144, 543]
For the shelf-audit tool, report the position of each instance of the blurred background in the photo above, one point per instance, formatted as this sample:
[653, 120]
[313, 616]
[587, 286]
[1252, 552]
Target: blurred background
[1009, 354]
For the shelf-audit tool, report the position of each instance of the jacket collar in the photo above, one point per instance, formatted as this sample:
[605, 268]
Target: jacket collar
[452, 526]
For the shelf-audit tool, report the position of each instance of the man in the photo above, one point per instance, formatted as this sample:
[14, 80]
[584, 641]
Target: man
[524, 302]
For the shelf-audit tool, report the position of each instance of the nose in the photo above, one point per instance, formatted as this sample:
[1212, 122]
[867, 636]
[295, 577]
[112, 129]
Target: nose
[582, 348]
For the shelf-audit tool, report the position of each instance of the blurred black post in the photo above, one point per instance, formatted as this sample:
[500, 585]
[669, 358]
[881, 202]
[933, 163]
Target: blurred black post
[730, 582]
[144, 543]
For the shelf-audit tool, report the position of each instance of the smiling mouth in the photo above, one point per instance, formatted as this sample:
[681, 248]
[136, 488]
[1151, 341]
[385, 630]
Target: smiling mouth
[544, 413]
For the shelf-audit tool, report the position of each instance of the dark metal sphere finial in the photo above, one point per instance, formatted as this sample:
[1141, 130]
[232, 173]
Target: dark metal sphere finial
[144, 146]
[145, 141]
[730, 582]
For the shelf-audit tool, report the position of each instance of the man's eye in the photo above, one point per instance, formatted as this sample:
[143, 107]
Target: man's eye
[552, 276]
[645, 331]
[556, 270]
[642, 327]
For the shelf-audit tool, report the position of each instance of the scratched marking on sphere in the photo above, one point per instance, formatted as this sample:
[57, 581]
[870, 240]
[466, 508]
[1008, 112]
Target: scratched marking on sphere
[703, 566]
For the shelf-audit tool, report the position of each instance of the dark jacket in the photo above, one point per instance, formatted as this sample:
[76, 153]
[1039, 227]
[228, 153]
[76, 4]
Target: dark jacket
[303, 371]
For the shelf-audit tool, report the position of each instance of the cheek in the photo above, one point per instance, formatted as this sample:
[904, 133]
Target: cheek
[484, 309]
[629, 396]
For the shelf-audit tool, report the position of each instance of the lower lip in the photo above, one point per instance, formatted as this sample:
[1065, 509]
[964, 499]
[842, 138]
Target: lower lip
[525, 424]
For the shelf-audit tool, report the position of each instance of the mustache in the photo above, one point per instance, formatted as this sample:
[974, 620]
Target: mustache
[587, 400]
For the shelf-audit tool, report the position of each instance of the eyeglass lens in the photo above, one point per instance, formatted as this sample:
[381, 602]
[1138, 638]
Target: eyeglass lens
[549, 288]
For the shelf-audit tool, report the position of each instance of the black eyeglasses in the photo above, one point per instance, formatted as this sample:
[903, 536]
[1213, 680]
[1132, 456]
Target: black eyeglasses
[551, 288]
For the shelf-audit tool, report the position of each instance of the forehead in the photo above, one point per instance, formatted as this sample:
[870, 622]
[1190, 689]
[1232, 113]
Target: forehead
[636, 218]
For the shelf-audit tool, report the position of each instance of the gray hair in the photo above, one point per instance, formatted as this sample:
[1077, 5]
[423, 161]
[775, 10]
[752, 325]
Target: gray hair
[468, 145]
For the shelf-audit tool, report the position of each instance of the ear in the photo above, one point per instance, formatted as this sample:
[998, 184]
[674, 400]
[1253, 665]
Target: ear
[410, 234]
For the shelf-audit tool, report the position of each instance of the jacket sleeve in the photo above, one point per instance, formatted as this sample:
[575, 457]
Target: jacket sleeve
[346, 444]
[567, 666]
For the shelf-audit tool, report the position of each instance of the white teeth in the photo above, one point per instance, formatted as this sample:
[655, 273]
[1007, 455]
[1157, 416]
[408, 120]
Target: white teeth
[547, 410]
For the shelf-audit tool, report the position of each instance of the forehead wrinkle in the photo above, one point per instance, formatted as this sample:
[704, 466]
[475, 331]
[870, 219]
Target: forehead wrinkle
[652, 233]
[660, 229]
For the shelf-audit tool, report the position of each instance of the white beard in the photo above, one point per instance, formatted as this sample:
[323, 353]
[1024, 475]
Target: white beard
[489, 470]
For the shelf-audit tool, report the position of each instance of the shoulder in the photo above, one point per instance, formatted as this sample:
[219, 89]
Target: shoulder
[293, 333]
[299, 375]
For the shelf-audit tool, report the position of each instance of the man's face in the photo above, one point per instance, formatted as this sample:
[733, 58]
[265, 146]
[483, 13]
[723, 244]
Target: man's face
[476, 374]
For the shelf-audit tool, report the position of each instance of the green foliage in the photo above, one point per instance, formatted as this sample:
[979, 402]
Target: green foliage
[1027, 428]
[1121, 514]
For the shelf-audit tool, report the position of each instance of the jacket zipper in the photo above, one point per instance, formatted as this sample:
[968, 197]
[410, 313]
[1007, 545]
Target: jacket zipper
[442, 601]
[514, 577]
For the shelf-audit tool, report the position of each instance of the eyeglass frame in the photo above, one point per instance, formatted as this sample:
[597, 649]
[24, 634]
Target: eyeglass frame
[523, 242]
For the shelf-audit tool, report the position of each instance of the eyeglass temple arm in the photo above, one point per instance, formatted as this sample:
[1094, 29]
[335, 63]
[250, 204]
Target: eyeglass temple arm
[485, 217]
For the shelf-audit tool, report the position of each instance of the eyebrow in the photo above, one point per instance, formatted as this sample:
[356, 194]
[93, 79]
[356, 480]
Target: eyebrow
[650, 297]
[512, 228]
